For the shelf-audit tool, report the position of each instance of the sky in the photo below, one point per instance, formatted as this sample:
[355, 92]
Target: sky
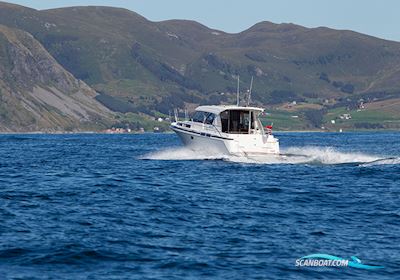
[373, 17]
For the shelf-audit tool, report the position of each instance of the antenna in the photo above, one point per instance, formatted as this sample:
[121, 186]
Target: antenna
[237, 94]
[251, 87]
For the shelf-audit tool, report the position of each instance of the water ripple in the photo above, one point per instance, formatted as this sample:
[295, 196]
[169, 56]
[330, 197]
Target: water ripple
[121, 207]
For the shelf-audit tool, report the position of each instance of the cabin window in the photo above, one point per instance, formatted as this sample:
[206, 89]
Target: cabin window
[199, 116]
[225, 121]
[237, 121]
[210, 118]
[203, 117]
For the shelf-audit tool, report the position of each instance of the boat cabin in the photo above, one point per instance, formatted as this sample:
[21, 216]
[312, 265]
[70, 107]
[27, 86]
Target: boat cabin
[230, 119]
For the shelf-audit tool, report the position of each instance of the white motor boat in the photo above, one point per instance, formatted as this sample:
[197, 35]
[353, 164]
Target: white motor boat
[227, 130]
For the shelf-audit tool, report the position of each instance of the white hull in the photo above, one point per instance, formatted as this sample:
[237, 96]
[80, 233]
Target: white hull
[197, 142]
[230, 144]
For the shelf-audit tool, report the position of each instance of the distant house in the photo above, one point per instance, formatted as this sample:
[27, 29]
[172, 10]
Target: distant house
[345, 117]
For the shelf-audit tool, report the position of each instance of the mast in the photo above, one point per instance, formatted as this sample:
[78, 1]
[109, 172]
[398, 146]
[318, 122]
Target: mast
[251, 88]
[237, 94]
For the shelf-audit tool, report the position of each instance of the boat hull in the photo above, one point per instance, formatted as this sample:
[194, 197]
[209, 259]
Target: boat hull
[240, 145]
[202, 143]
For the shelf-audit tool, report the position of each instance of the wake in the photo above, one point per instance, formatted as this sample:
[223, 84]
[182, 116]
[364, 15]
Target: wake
[291, 155]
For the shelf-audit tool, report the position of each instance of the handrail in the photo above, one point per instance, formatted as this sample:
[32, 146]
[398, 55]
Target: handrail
[217, 130]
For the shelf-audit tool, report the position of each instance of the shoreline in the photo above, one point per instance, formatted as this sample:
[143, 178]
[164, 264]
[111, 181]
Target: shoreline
[171, 132]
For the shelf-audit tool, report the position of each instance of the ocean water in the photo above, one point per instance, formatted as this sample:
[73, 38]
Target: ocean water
[143, 207]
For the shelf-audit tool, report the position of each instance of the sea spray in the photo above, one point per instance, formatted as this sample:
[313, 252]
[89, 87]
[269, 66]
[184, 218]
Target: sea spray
[290, 155]
[329, 155]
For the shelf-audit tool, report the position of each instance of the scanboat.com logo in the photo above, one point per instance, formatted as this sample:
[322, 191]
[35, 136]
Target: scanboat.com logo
[319, 260]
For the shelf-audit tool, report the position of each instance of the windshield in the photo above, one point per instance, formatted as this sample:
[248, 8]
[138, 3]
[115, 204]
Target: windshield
[203, 117]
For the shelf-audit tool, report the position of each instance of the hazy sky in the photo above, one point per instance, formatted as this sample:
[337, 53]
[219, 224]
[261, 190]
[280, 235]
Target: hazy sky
[374, 17]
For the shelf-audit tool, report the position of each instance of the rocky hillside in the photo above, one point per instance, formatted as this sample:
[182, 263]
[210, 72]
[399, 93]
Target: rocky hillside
[37, 93]
[149, 68]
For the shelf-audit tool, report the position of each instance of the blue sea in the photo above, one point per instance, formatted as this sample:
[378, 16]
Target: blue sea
[92, 206]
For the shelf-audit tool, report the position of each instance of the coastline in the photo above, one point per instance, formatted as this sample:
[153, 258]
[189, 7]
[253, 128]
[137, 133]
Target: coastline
[171, 132]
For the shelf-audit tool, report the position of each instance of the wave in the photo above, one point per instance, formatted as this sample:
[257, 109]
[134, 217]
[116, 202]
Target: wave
[384, 161]
[290, 155]
[309, 155]
[329, 155]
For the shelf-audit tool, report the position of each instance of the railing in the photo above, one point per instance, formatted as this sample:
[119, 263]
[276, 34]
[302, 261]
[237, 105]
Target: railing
[217, 130]
[211, 128]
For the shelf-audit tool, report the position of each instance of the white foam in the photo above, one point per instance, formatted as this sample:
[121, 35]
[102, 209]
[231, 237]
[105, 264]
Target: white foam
[291, 155]
[304, 155]
[329, 155]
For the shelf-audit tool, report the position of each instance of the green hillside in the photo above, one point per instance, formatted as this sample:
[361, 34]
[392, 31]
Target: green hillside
[149, 68]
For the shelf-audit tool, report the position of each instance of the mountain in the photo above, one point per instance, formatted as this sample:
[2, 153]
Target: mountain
[36, 93]
[149, 68]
